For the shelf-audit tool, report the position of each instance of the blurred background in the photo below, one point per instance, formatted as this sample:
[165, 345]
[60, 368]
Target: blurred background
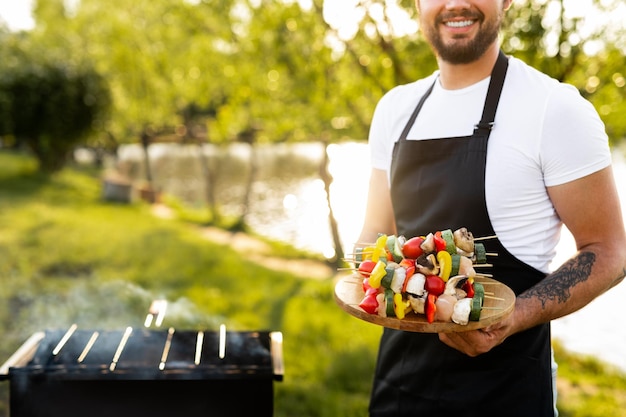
[120, 120]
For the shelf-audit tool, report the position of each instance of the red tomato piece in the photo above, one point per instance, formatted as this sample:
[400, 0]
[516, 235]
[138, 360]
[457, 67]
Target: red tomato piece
[412, 249]
[435, 285]
[366, 267]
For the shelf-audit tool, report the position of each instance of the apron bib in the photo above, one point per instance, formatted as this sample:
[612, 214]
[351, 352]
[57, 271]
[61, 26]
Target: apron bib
[439, 184]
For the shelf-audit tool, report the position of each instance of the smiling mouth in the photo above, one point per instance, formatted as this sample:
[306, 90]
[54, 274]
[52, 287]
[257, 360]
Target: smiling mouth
[459, 23]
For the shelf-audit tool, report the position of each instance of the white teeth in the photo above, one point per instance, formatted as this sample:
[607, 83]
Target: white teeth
[459, 24]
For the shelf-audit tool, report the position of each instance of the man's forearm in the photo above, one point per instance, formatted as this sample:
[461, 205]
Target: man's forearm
[571, 287]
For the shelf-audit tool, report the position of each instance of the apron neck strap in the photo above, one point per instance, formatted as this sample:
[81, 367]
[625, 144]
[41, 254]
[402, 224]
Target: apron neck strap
[491, 102]
[493, 96]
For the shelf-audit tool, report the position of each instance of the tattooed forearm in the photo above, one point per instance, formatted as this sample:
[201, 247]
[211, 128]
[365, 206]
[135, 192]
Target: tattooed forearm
[557, 286]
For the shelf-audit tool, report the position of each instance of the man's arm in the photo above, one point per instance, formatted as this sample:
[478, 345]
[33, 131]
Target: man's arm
[378, 212]
[590, 209]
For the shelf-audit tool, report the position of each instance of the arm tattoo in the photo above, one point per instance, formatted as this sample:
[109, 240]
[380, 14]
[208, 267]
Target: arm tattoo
[557, 286]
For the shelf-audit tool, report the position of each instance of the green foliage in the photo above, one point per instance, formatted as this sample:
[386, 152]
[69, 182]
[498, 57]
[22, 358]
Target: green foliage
[47, 104]
[587, 387]
[568, 47]
[277, 70]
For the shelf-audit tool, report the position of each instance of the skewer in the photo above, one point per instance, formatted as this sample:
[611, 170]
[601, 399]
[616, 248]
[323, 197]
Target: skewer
[482, 265]
[492, 308]
[120, 347]
[368, 252]
[88, 346]
[494, 298]
[166, 348]
[222, 342]
[484, 276]
[64, 339]
[475, 239]
[199, 341]
[485, 237]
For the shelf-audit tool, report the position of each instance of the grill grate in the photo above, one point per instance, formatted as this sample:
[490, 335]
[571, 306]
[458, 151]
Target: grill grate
[129, 372]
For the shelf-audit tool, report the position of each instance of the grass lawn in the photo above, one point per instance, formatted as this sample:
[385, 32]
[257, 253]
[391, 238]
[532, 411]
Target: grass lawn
[66, 256]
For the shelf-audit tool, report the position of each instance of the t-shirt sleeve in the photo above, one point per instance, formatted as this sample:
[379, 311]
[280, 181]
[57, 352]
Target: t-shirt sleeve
[574, 141]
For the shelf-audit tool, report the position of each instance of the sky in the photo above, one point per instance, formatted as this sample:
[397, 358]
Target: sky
[339, 13]
[16, 14]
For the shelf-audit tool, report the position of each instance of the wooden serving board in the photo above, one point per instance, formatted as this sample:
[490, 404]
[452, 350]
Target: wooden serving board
[349, 293]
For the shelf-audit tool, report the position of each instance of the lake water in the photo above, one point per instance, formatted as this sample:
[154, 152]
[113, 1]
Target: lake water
[289, 204]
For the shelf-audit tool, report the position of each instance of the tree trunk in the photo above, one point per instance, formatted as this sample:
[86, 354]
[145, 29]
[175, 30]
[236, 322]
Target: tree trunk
[334, 229]
[241, 224]
[209, 187]
[145, 144]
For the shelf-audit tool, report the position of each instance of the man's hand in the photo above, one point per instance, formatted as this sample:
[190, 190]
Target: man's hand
[476, 342]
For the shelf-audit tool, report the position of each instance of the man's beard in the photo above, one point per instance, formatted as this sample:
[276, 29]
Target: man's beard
[464, 52]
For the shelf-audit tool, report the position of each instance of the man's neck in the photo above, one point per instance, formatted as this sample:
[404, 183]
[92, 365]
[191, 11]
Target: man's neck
[457, 76]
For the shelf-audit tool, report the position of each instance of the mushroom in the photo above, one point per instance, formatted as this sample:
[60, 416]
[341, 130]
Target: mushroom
[428, 245]
[454, 284]
[418, 303]
[415, 285]
[462, 310]
[464, 240]
[427, 264]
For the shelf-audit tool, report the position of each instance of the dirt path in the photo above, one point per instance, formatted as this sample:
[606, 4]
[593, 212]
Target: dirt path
[256, 250]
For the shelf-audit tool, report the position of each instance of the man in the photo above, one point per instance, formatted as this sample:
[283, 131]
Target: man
[490, 144]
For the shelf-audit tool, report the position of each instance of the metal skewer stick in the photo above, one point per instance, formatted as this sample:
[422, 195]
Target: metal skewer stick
[199, 341]
[222, 342]
[88, 346]
[64, 339]
[166, 348]
[120, 347]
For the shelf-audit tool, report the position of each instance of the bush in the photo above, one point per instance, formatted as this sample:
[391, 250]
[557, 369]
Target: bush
[48, 105]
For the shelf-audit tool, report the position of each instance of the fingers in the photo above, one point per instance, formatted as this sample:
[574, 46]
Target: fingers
[472, 343]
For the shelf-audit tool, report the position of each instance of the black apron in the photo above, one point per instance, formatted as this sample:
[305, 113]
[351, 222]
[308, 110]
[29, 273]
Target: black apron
[439, 184]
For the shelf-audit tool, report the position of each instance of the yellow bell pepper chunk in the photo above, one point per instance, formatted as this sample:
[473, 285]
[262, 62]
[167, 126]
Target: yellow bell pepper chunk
[380, 248]
[445, 264]
[400, 306]
[377, 274]
[367, 253]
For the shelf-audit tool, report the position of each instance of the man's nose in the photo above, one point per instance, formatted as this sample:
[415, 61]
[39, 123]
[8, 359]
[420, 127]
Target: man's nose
[457, 4]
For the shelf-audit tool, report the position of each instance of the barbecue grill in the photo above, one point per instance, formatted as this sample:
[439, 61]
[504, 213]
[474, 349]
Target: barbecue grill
[141, 372]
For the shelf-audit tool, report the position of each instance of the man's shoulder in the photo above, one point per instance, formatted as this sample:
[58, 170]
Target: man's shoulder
[525, 81]
[410, 90]
[521, 72]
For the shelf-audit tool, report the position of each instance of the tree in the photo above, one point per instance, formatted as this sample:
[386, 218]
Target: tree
[47, 104]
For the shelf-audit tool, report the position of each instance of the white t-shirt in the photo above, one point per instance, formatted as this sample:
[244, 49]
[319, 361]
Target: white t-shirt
[545, 134]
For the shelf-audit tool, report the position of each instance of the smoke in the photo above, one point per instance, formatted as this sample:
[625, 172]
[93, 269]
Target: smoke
[110, 305]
